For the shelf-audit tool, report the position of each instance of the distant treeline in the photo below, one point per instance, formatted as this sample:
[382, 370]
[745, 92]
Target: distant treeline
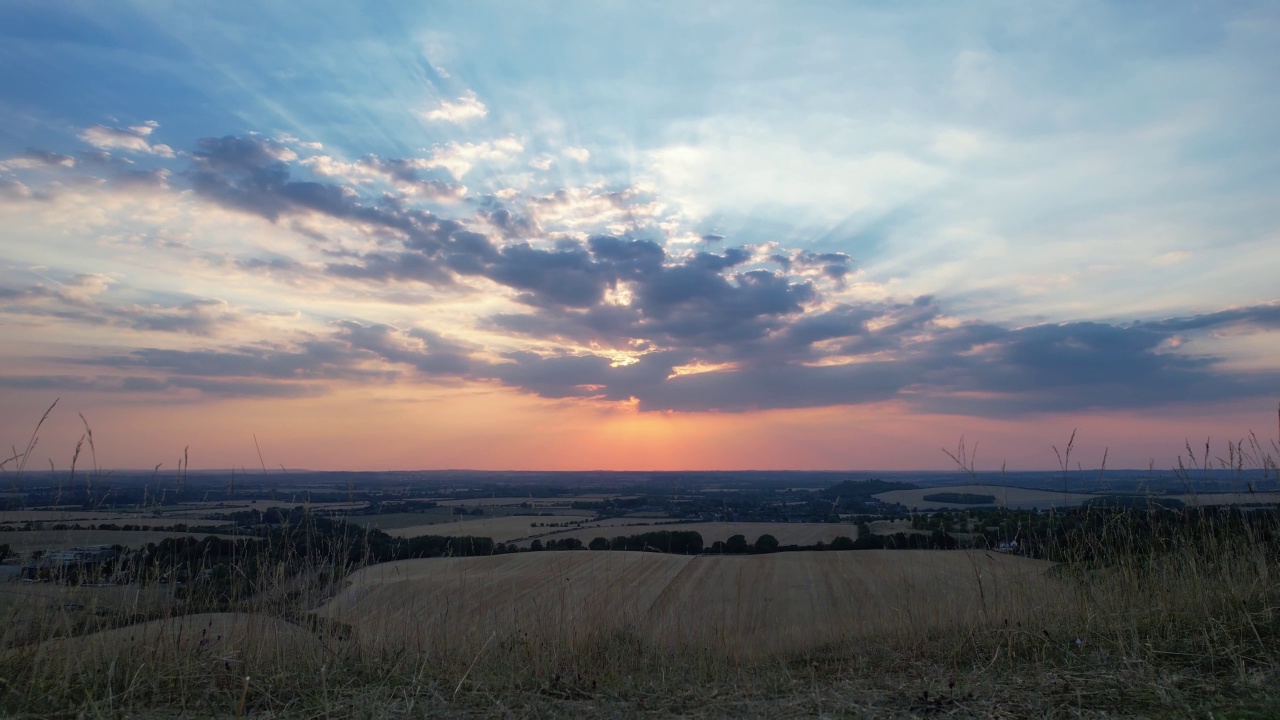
[691, 543]
[958, 498]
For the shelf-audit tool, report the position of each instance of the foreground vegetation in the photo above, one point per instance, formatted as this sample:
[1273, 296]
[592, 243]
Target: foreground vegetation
[1108, 610]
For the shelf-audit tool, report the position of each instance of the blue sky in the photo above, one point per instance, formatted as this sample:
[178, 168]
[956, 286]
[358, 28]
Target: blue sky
[719, 212]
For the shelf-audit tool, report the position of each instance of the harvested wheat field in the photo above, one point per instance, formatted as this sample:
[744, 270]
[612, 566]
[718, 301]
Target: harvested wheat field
[31, 610]
[1012, 497]
[28, 540]
[750, 604]
[529, 527]
[1244, 498]
[787, 533]
[499, 529]
[215, 639]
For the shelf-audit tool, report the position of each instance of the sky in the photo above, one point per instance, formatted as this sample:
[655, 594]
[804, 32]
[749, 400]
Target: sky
[649, 236]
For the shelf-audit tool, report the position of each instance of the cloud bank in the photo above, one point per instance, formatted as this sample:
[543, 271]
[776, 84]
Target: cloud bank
[588, 293]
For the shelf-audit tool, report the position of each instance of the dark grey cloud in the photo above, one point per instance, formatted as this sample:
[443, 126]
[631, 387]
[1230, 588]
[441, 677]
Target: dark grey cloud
[246, 388]
[896, 351]
[306, 368]
[135, 384]
[316, 359]
[392, 266]
[14, 190]
[271, 264]
[1258, 316]
[770, 328]
[32, 157]
[510, 225]
[252, 175]
[63, 383]
[561, 277]
[427, 351]
[201, 317]
[153, 179]
[834, 265]
[686, 303]
[584, 376]
[408, 173]
[352, 351]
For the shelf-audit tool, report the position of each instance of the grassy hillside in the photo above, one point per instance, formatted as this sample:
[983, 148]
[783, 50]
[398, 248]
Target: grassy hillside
[1183, 622]
[758, 605]
[1174, 631]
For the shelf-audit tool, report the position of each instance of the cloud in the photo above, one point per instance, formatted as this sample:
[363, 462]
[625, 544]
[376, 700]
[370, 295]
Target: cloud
[31, 158]
[580, 154]
[597, 293]
[133, 384]
[427, 351]
[254, 176]
[81, 300]
[350, 352]
[956, 145]
[131, 139]
[909, 352]
[308, 359]
[154, 179]
[467, 107]
[577, 208]
[736, 165]
[14, 190]
[459, 158]
[402, 174]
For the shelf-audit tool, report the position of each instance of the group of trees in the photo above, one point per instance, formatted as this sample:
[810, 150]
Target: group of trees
[738, 545]
[679, 542]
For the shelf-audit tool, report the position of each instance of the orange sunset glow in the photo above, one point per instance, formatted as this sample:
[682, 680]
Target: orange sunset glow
[822, 239]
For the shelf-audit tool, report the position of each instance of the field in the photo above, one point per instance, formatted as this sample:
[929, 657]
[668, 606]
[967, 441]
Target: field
[620, 634]
[1123, 622]
[787, 533]
[531, 503]
[756, 605]
[500, 529]
[28, 609]
[27, 540]
[211, 642]
[1025, 498]
[1011, 497]
[1261, 498]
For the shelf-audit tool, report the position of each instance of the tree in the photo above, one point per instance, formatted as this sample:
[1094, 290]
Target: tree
[766, 544]
[535, 545]
[737, 545]
[599, 544]
[842, 543]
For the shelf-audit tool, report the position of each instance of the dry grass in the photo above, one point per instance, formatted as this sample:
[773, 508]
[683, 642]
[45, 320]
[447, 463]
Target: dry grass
[26, 541]
[1185, 628]
[620, 634]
